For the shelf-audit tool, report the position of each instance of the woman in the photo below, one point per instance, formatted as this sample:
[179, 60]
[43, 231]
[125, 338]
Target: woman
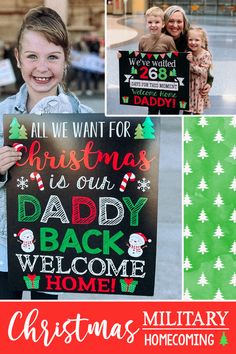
[42, 54]
[177, 25]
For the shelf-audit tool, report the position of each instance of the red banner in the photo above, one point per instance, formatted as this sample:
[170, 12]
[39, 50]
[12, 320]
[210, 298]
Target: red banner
[117, 327]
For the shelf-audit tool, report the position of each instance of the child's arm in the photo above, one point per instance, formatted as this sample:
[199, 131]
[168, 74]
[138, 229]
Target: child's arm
[205, 90]
[210, 78]
[201, 69]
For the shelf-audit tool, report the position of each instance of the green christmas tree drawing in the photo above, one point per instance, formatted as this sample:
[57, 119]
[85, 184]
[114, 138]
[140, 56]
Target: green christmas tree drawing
[14, 129]
[148, 131]
[223, 339]
[173, 72]
[138, 132]
[22, 132]
[133, 70]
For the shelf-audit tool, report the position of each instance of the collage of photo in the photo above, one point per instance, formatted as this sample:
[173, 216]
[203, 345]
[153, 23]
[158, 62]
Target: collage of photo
[118, 150]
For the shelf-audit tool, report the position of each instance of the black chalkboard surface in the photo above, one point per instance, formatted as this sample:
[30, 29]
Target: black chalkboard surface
[158, 80]
[83, 199]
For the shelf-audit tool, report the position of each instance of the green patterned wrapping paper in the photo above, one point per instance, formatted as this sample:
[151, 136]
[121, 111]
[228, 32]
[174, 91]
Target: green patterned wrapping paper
[209, 199]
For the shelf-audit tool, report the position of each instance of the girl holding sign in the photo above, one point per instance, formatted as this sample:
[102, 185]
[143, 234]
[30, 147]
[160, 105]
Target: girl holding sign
[200, 63]
[42, 54]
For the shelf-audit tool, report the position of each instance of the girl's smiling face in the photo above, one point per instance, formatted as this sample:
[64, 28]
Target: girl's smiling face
[42, 64]
[175, 24]
[195, 41]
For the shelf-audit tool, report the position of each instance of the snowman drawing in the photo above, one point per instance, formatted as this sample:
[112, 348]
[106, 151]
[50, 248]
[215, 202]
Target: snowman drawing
[136, 244]
[26, 237]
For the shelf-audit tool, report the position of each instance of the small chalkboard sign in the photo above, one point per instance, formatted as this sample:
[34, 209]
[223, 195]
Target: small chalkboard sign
[159, 80]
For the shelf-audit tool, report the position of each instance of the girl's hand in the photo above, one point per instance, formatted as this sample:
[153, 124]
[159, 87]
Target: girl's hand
[190, 56]
[205, 90]
[8, 157]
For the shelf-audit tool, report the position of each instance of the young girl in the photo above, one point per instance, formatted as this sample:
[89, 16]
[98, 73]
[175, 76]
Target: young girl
[42, 55]
[200, 63]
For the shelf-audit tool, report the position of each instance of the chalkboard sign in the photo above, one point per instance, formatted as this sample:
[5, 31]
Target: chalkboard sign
[82, 203]
[158, 80]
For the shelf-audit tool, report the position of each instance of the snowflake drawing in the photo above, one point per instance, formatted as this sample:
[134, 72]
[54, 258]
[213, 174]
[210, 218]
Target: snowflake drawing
[143, 184]
[22, 183]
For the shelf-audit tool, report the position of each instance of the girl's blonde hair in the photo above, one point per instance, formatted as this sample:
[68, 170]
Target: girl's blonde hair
[155, 11]
[48, 22]
[202, 34]
[171, 10]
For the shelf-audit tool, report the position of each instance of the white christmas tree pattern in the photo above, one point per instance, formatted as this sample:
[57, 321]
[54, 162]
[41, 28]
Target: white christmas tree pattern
[202, 153]
[233, 216]
[202, 216]
[218, 169]
[187, 264]
[218, 232]
[233, 153]
[218, 201]
[203, 122]
[187, 232]
[202, 280]
[218, 296]
[187, 168]
[187, 296]
[233, 280]
[218, 137]
[202, 248]
[233, 248]
[187, 137]
[218, 264]
[187, 200]
[209, 233]
[202, 185]
[233, 185]
[233, 122]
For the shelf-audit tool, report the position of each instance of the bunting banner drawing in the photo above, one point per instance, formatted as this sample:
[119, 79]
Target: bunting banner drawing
[154, 79]
[209, 208]
[83, 199]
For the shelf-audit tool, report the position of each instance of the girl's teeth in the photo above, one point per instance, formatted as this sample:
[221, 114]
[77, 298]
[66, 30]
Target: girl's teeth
[42, 78]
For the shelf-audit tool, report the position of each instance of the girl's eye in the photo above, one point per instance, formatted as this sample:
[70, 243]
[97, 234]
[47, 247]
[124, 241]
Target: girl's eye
[52, 57]
[32, 56]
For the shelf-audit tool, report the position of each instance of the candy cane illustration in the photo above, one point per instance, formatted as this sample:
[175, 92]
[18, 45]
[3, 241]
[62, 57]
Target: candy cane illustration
[17, 146]
[36, 175]
[128, 176]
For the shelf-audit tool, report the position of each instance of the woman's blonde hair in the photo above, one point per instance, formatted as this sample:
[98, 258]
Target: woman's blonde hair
[48, 22]
[171, 10]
